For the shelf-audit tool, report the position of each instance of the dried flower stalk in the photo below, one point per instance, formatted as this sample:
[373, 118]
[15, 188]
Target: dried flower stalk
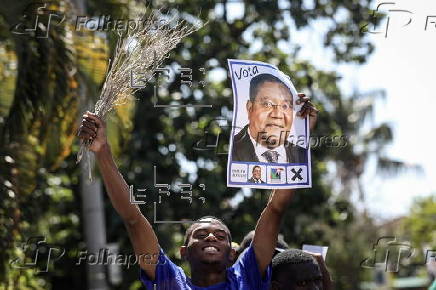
[140, 50]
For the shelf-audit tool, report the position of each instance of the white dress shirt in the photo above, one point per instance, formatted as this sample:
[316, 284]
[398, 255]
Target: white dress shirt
[259, 149]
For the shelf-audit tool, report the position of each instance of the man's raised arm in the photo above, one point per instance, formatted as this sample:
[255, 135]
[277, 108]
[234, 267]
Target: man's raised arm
[142, 236]
[268, 226]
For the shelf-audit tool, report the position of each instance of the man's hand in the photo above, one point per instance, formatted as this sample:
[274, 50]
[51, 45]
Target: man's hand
[308, 109]
[93, 129]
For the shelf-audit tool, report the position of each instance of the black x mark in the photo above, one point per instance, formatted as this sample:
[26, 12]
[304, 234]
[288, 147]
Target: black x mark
[297, 174]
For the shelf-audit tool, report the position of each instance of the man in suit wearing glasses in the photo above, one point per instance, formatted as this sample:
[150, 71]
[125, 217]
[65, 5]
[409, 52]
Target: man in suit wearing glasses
[270, 114]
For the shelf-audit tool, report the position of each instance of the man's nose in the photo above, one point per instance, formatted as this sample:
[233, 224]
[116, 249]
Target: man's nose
[276, 112]
[210, 236]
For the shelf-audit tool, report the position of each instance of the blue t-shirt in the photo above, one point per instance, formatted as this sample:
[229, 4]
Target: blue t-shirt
[243, 275]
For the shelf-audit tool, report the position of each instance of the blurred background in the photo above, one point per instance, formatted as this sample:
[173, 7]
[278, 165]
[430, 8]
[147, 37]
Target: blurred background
[368, 66]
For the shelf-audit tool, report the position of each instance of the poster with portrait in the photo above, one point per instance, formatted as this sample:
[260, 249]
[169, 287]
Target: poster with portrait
[269, 142]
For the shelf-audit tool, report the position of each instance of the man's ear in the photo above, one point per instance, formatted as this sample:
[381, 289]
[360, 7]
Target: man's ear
[183, 250]
[233, 255]
[249, 105]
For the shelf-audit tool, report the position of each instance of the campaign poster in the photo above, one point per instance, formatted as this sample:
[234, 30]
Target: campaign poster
[269, 144]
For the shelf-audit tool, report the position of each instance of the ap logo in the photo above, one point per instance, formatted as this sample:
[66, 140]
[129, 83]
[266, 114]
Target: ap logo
[37, 254]
[36, 20]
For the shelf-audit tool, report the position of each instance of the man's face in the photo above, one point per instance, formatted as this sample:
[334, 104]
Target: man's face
[305, 276]
[271, 114]
[209, 244]
[256, 172]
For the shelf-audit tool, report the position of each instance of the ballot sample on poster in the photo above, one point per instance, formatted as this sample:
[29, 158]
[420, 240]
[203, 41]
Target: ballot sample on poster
[269, 143]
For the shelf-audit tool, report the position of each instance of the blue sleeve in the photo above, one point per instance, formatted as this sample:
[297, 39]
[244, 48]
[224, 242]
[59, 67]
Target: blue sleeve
[168, 275]
[249, 272]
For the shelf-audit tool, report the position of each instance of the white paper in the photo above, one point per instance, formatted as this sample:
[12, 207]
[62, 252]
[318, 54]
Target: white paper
[316, 250]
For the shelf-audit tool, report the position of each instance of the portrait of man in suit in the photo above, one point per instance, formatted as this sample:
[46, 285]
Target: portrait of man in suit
[270, 114]
[256, 176]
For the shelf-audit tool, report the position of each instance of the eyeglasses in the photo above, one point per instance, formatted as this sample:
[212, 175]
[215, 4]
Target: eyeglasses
[268, 105]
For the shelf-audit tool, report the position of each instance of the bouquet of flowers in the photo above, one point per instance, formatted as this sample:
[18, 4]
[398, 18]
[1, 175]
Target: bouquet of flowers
[140, 50]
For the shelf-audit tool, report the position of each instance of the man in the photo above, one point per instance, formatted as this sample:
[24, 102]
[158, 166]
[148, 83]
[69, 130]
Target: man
[270, 115]
[256, 175]
[207, 246]
[298, 270]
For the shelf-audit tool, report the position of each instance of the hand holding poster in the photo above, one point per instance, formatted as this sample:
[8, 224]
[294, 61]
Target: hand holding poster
[269, 145]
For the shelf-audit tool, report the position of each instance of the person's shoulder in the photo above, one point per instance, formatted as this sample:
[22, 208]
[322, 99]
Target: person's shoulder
[245, 272]
[167, 273]
[242, 149]
[242, 134]
[245, 256]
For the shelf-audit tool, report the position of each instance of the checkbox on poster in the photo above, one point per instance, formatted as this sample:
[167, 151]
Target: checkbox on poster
[239, 172]
[296, 174]
[276, 175]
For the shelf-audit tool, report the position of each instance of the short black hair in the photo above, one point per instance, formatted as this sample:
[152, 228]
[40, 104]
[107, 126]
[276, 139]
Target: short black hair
[198, 221]
[281, 244]
[290, 257]
[254, 167]
[258, 80]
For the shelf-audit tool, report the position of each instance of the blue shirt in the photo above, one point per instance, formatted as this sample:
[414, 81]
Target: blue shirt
[243, 275]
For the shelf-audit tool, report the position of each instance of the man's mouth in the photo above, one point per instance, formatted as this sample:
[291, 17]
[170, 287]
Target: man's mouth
[274, 125]
[210, 249]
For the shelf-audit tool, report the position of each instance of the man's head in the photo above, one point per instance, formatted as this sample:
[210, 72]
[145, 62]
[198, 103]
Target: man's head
[295, 270]
[281, 244]
[257, 172]
[270, 109]
[208, 242]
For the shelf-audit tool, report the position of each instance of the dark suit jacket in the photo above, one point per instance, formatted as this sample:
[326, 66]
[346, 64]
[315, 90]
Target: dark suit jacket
[243, 149]
[253, 181]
